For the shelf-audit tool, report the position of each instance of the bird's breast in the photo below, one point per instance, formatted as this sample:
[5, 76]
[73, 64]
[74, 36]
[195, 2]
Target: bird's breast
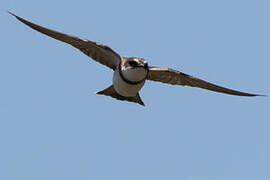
[123, 88]
[134, 74]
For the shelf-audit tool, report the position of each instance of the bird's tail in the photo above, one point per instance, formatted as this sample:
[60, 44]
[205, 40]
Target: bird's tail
[110, 91]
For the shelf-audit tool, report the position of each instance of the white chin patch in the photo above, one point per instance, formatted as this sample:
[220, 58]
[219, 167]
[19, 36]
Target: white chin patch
[134, 74]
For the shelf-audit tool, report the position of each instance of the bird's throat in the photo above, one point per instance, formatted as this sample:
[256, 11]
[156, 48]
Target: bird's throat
[133, 75]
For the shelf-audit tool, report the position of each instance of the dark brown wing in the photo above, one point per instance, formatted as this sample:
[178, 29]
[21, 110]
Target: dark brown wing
[100, 53]
[170, 76]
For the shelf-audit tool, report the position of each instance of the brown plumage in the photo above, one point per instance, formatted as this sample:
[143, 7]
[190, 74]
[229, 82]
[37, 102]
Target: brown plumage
[170, 76]
[129, 66]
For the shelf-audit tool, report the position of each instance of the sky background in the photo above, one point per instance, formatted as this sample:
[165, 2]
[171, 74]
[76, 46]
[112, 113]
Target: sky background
[53, 125]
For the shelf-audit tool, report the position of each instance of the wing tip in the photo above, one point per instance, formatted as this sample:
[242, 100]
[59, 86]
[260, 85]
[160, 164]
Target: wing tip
[263, 95]
[17, 17]
[9, 12]
[250, 95]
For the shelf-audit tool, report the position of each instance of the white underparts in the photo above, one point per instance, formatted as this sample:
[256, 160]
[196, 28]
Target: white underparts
[132, 74]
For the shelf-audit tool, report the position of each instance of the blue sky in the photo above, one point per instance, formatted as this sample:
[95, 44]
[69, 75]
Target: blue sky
[53, 126]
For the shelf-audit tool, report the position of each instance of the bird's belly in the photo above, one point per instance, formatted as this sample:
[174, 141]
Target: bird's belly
[123, 88]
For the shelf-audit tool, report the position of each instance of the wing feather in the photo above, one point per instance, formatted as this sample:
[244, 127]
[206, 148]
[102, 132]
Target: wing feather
[98, 52]
[170, 76]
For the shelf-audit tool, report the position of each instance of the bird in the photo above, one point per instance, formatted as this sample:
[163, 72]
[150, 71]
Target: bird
[130, 73]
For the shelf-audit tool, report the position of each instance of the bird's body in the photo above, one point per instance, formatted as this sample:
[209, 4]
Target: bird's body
[124, 88]
[131, 73]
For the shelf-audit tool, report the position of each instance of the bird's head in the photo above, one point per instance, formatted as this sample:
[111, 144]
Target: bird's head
[134, 69]
[134, 62]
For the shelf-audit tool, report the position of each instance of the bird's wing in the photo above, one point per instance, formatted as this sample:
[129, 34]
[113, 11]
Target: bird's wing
[170, 76]
[100, 53]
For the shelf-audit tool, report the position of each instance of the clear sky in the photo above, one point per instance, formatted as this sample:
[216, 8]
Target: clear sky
[53, 125]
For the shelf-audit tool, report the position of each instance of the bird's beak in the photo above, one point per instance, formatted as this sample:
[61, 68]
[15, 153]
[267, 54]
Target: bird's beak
[146, 65]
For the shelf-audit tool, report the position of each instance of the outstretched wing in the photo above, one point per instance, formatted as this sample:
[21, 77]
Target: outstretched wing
[98, 52]
[170, 76]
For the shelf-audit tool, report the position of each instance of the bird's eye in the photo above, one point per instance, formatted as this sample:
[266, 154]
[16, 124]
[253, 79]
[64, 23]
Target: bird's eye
[133, 63]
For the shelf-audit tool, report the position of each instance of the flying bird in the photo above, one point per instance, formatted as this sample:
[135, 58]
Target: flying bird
[130, 73]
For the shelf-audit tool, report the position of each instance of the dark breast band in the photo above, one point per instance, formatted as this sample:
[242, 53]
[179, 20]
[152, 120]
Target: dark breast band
[131, 82]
